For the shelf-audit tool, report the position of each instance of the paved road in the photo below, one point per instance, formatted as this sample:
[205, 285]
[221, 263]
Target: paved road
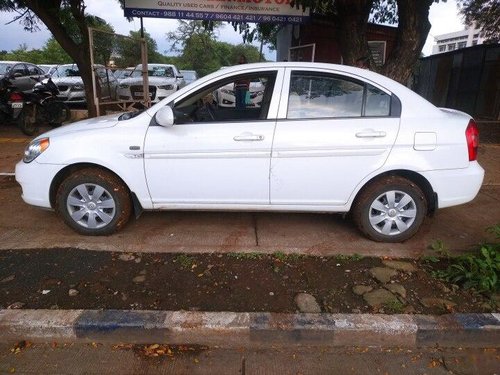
[120, 359]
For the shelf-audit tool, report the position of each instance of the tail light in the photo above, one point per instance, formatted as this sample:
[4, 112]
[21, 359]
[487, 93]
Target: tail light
[16, 97]
[472, 136]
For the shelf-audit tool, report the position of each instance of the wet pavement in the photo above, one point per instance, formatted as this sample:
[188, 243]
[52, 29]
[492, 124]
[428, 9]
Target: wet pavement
[458, 228]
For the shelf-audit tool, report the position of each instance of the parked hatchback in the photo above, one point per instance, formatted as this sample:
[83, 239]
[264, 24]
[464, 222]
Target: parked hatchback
[324, 138]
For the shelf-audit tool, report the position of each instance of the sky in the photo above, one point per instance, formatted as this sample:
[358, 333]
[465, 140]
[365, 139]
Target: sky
[443, 17]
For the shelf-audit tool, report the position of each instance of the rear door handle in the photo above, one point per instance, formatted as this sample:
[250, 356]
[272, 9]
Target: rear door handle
[248, 137]
[371, 134]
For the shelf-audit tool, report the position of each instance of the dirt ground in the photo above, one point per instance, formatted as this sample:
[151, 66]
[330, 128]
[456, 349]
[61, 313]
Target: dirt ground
[79, 279]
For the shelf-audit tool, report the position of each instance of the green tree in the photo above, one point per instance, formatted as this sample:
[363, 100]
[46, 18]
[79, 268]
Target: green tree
[193, 39]
[128, 50]
[52, 53]
[351, 18]
[68, 23]
[485, 14]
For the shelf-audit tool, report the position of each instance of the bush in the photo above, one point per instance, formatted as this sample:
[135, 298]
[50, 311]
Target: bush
[480, 271]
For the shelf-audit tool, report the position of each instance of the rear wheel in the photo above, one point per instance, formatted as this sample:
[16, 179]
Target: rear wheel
[390, 209]
[94, 202]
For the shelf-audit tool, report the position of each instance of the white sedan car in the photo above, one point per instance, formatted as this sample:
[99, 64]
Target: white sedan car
[326, 138]
[164, 79]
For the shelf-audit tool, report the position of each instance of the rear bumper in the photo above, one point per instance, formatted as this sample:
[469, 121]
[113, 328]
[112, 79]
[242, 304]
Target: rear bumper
[456, 186]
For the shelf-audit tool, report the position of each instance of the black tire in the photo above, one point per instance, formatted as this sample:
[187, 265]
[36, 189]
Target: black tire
[56, 113]
[27, 122]
[95, 216]
[390, 209]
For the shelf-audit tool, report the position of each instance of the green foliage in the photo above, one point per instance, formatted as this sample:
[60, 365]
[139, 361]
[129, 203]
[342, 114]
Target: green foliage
[128, 50]
[440, 248]
[184, 260]
[353, 257]
[394, 306]
[485, 14]
[240, 256]
[479, 271]
[51, 53]
[195, 41]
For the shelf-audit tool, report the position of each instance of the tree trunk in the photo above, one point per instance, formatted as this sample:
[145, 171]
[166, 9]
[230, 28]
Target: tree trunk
[413, 29]
[352, 20]
[49, 13]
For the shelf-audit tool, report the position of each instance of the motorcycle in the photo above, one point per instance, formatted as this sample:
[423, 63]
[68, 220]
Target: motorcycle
[11, 102]
[42, 106]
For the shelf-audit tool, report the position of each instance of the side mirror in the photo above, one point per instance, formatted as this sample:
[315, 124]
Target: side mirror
[17, 75]
[165, 117]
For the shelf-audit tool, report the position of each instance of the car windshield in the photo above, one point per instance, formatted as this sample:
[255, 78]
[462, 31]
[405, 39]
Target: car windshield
[4, 68]
[66, 71]
[155, 71]
[190, 76]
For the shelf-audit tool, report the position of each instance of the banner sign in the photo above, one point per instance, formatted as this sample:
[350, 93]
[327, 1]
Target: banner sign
[259, 11]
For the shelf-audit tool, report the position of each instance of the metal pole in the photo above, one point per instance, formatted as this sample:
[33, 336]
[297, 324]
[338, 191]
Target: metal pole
[94, 85]
[144, 62]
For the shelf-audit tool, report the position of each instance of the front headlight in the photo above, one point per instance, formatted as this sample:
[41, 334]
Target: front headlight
[124, 86]
[35, 148]
[166, 87]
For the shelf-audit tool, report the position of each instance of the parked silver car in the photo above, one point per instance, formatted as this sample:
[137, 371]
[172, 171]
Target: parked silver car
[20, 73]
[70, 84]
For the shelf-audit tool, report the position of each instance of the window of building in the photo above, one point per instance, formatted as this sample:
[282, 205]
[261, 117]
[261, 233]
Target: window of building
[451, 46]
[442, 48]
[474, 42]
[462, 44]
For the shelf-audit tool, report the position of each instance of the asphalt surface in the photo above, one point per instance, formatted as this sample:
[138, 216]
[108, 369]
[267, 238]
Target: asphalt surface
[100, 359]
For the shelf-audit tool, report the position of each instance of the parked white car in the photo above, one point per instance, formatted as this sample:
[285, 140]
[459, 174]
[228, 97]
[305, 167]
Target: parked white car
[326, 138]
[70, 84]
[226, 97]
[164, 79]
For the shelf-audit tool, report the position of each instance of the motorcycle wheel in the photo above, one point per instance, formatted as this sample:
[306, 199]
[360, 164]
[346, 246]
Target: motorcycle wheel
[26, 121]
[57, 113]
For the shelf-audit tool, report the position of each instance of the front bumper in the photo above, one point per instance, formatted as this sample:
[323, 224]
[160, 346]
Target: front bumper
[35, 180]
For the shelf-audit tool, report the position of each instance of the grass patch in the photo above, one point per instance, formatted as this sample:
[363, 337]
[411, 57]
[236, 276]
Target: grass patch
[184, 260]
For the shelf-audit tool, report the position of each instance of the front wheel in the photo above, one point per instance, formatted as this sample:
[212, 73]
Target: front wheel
[94, 202]
[390, 209]
[56, 113]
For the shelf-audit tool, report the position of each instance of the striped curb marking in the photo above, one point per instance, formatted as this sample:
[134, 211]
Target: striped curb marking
[251, 329]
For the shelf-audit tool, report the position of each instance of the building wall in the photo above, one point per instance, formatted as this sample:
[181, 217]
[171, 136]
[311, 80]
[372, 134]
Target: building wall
[323, 33]
[456, 40]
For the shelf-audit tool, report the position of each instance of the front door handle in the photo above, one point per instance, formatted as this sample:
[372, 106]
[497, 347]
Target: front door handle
[371, 134]
[248, 137]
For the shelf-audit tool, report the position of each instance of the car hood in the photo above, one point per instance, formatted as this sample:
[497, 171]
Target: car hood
[152, 81]
[84, 125]
[68, 81]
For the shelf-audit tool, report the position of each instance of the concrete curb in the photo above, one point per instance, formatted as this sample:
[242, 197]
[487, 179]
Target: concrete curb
[229, 329]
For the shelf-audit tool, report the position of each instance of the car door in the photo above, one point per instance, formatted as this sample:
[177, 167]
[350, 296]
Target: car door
[332, 131]
[36, 73]
[20, 77]
[214, 156]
